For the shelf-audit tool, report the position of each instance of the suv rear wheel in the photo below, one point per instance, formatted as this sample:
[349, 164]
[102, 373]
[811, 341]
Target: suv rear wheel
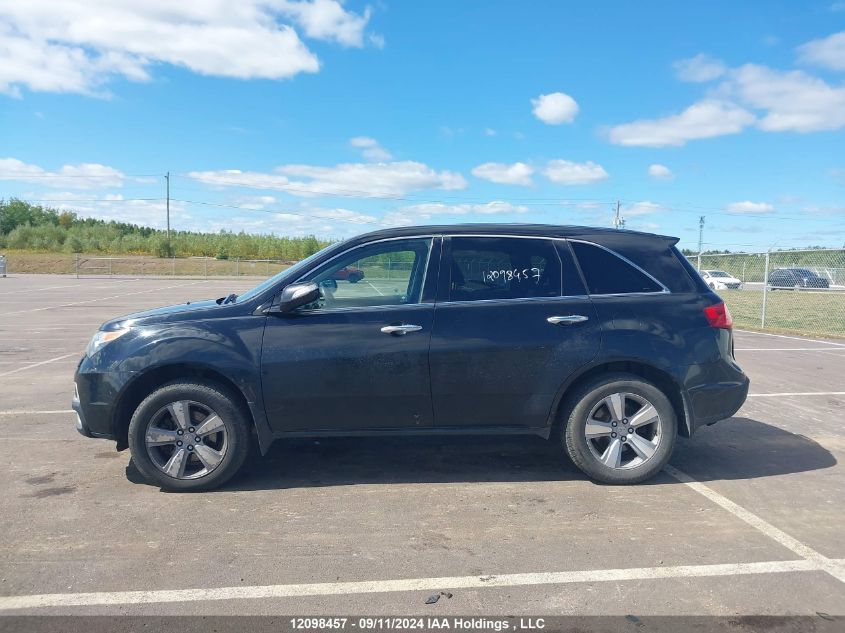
[621, 429]
[189, 436]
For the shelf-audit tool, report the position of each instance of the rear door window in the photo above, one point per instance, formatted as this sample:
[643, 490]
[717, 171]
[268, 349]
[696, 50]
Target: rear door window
[607, 273]
[490, 268]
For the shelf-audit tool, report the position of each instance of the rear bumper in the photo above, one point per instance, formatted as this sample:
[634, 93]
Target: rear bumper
[714, 391]
[711, 403]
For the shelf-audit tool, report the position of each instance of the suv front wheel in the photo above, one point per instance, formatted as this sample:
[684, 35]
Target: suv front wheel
[621, 429]
[189, 436]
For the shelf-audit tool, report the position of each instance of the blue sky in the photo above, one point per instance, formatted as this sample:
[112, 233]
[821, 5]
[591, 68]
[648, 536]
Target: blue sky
[330, 118]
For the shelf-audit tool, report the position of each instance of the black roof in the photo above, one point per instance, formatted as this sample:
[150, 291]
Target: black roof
[539, 230]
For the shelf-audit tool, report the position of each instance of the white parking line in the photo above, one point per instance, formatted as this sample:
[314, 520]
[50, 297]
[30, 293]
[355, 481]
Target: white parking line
[76, 303]
[795, 338]
[833, 567]
[33, 412]
[101, 598]
[376, 289]
[43, 362]
[789, 349]
[796, 393]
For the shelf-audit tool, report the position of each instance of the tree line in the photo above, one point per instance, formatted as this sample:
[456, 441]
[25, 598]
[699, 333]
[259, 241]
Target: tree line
[28, 226]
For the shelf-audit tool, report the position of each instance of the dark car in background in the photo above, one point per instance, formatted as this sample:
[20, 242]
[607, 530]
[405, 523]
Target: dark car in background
[796, 279]
[607, 342]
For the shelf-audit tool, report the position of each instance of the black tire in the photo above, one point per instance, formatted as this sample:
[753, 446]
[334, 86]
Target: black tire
[216, 398]
[583, 401]
[354, 279]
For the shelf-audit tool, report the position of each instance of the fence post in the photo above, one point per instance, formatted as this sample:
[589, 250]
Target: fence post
[173, 266]
[77, 265]
[267, 269]
[205, 266]
[110, 273]
[237, 267]
[765, 292]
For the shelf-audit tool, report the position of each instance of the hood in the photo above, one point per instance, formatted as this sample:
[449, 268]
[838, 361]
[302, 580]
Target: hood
[178, 312]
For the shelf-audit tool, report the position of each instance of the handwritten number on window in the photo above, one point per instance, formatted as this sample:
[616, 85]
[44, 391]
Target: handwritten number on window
[509, 274]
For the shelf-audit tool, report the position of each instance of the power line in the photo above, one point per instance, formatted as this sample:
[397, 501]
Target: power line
[94, 200]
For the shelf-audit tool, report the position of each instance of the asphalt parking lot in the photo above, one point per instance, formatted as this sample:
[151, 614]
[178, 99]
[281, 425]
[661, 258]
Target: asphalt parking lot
[747, 520]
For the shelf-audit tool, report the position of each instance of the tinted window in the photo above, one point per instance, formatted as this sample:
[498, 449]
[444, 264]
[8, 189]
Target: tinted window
[384, 273]
[484, 268]
[606, 273]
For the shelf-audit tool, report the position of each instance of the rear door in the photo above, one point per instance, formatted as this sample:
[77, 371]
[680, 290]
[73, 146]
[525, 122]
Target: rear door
[512, 322]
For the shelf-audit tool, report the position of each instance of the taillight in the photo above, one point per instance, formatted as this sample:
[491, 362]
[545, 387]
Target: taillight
[719, 316]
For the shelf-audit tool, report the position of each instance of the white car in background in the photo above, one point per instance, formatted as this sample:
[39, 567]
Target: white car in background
[720, 280]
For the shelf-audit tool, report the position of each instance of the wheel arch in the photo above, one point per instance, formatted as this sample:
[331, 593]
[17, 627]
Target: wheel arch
[145, 383]
[660, 378]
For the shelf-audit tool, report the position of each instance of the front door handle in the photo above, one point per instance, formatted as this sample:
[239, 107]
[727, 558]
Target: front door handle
[567, 320]
[400, 330]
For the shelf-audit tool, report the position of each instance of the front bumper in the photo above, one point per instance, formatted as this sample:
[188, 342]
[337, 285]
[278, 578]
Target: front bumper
[94, 396]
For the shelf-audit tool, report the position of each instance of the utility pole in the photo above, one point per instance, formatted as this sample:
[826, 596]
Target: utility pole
[167, 178]
[700, 239]
[618, 221]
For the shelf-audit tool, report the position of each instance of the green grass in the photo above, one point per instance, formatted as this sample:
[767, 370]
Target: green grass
[798, 312]
[19, 261]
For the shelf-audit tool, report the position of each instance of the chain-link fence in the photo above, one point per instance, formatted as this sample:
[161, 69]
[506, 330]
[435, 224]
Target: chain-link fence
[83, 266]
[800, 291]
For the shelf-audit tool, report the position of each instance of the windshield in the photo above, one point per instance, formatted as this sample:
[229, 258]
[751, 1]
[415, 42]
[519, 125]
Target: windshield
[718, 273]
[286, 275]
[805, 272]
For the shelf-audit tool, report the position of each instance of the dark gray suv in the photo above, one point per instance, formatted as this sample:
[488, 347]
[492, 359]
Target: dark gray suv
[607, 342]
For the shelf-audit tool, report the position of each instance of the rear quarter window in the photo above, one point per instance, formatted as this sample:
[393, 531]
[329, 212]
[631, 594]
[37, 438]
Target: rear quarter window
[607, 273]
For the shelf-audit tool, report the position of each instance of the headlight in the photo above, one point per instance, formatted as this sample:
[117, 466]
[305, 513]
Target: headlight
[101, 338]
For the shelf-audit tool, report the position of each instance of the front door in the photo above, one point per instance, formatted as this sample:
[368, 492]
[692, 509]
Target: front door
[505, 339]
[357, 359]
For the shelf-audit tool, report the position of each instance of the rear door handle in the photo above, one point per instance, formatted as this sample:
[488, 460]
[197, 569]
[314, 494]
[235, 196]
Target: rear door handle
[567, 320]
[400, 330]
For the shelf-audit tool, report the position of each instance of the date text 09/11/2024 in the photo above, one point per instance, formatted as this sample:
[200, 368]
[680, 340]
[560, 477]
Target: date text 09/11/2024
[386, 623]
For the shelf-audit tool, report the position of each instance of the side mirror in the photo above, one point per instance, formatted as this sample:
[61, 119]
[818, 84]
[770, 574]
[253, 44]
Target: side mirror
[297, 295]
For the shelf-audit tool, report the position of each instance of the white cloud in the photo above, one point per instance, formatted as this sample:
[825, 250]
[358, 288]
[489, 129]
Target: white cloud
[152, 213]
[704, 119]
[488, 131]
[565, 172]
[555, 108]
[378, 180]
[502, 173]
[747, 206]
[77, 45]
[81, 176]
[415, 213]
[698, 69]
[641, 208]
[370, 149]
[327, 20]
[660, 172]
[828, 52]
[256, 203]
[793, 101]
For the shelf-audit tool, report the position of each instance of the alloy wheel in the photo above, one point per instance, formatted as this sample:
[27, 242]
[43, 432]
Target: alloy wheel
[623, 430]
[186, 440]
